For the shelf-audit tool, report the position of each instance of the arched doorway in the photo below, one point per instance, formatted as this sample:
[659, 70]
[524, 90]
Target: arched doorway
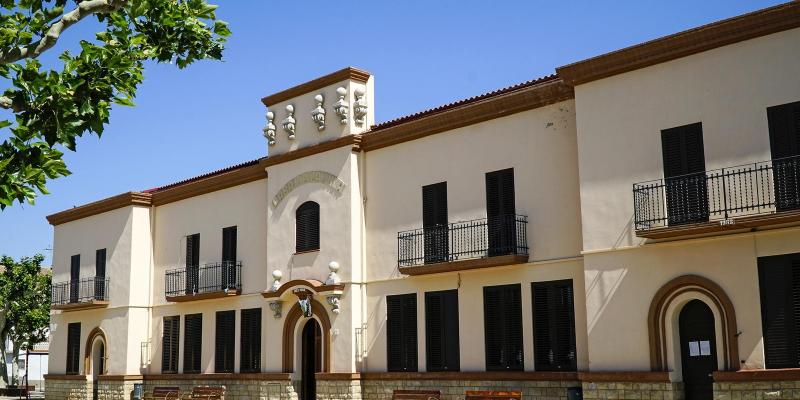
[311, 359]
[98, 364]
[698, 349]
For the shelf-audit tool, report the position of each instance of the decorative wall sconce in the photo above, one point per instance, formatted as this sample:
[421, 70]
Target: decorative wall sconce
[276, 283]
[269, 129]
[318, 114]
[341, 107]
[289, 123]
[277, 308]
[333, 278]
[360, 107]
[333, 300]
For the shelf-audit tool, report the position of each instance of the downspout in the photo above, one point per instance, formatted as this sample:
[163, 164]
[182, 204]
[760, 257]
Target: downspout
[151, 273]
[362, 176]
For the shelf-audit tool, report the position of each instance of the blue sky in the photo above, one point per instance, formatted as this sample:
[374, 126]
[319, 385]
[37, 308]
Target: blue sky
[422, 54]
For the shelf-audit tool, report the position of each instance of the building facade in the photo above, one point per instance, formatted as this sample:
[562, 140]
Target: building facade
[626, 228]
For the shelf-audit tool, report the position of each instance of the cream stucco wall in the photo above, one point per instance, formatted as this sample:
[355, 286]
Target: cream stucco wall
[243, 206]
[620, 120]
[470, 286]
[539, 144]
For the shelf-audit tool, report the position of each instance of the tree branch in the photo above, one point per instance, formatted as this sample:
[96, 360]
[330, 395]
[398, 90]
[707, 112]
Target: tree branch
[35, 49]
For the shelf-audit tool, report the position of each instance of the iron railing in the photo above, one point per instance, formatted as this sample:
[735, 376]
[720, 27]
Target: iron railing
[718, 195]
[222, 276]
[487, 237]
[79, 291]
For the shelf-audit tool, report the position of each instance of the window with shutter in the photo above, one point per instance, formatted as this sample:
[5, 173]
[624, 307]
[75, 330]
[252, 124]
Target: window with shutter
[73, 347]
[441, 331]
[502, 321]
[74, 276]
[434, 222]
[224, 346]
[553, 326]
[100, 275]
[307, 227]
[779, 284]
[684, 174]
[401, 332]
[192, 263]
[169, 345]
[501, 212]
[784, 141]
[229, 278]
[192, 343]
[250, 354]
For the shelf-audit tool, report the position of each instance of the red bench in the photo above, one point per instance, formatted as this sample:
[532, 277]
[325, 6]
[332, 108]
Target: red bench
[166, 393]
[492, 395]
[208, 392]
[416, 395]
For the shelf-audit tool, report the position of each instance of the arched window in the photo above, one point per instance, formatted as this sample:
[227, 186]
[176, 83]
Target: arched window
[307, 228]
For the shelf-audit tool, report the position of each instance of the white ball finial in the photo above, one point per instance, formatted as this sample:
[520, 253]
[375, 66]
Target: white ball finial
[270, 115]
[277, 274]
[341, 91]
[318, 98]
[289, 108]
[333, 266]
[359, 92]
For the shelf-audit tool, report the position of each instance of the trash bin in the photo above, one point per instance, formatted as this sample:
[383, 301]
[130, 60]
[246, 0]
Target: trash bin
[575, 393]
[138, 391]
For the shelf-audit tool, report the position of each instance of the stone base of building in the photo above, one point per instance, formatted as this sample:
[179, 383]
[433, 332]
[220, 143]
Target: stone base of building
[77, 388]
[778, 390]
[633, 390]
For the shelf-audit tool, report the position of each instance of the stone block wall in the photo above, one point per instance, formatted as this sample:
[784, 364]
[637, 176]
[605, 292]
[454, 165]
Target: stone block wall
[235, 389]
[779, 390]
[115, 390]
[455, 389]
[633, 390]
[67, 389]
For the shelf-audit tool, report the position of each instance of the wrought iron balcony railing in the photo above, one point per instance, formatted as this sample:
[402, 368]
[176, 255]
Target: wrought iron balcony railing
[79, 291]
[480, 238]
[720, 195]
[224, 278]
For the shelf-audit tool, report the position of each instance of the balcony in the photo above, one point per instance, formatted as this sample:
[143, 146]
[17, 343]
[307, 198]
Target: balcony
[459, 246]
[215, 280]
[80, 294]
[745, 197]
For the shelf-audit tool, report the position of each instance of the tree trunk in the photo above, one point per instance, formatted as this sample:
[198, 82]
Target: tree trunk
[3, 342]
[15, 364]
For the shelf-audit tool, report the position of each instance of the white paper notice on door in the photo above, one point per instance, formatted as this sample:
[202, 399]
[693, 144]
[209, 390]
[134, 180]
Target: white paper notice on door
[705, 348]
[694, 349]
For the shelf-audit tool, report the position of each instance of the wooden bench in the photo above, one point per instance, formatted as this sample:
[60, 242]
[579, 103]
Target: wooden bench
[492, 395]
[165, 393]
[416, 395]
[208, 392]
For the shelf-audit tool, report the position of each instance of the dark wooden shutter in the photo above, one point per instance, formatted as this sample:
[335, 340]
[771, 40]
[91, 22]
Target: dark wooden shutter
[307, 227]
[401, 332]
[73, 347]
[501, 212]
[229, 278]
[434, 222]
[192, 263]
[74, 277]
[100, 275]
[779, 284]
[684, 174]
[250, 354]
[192, 343]
[502, 321]
[169, 345]
[784, 141]
[554, 326]
[229, 244]
[441, 331]
[224, 346]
